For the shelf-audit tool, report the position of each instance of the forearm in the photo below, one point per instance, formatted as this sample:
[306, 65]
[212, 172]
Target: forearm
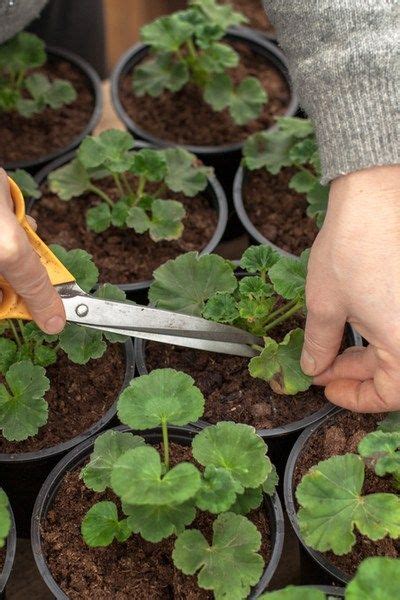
[344, 62]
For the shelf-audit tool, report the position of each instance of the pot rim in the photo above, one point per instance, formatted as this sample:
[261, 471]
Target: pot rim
[96, 89]
[11, 545]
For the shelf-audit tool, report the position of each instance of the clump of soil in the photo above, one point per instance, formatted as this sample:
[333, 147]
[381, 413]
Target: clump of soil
[255, 12]
[78, 397]
[132, 570]
[278, 212]
[121, 255]
[184, 117]
[341, 434]
[50, 130]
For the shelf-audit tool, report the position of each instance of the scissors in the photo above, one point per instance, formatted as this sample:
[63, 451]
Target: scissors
[121, 317]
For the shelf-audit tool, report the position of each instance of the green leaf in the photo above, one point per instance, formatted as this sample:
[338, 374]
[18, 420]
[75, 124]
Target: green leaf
[292, 592]
[157, 522]
[288, 276]
[236, 448]
[332, 504]
[185, 283]
[217, 58]
[81, 343]
[101, 525]
[33, 333]
[59, 93]
[302, 182]
[269, 149]
[279, 364]
[23, 51]
[22, 406]
[8, 353]
[167, 33]
[166, 220]
[304, 152]
[383, 449]
[217, 14]
[138, 219]
[119, 213]
[221, 307]
[250, 499]
[247, 101]
[163, 73]
[255, 287]
[107, 291]
[108, 447]
[218, 91]
[377, 578]
[98, 218]
[317, 199]
[150, 164]
[44, 356]
[217, 492]
[183, 172]
[80, 264]
[137, 479]
[26, 183]
[70, 181]
[255, 309]
[258, 259]
[296, 127]
[5, 518]
[231, 565]
[163, 396]
[269, 485]
[109, 150]
[29, 107]
[390, 423]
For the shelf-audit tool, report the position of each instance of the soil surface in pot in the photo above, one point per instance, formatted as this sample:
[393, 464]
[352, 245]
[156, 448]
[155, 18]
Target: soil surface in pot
[50, 130]
[134, 570]
[254, 11]
[339, 435]
[121, 255]
[278, 212]
[231, 393]
[185, 117]
[78, 397]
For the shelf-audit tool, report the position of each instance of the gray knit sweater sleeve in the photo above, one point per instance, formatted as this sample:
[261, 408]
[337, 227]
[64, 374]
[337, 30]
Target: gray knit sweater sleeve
[345, 65]
[16, 14]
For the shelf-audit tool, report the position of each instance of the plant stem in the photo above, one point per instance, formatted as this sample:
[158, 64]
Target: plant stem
[283, 317]
[118, 183]
[141, 186]
[20, 78]
[127, 184]
[192, 50]
[15, 333]
[22, 329]
[165, 442]
[160, 191]
[279, 311]
[102, 194]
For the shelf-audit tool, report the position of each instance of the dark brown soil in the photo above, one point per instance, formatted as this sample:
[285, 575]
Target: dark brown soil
[2, 558]
[78, 397]
[134, 570]
[121, 255]
[231, 393]
[339, 435]
[29, 139]
[185, 118]
[278, 212]
[254, 11]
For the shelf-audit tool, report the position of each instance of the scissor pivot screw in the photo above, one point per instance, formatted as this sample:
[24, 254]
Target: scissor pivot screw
[82, 310]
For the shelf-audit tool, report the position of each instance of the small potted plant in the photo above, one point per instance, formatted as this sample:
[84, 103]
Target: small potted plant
[132, 206]
[8, 541]
[277, 192]
[195, 82]
[49, 100]
[346, 507]
[56, 390]
[170, 512]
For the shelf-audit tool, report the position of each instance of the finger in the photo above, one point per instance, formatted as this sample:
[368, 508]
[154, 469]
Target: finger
[322, 338]
[354, 363]
[360, 396]
[5, 194]
[32, 222]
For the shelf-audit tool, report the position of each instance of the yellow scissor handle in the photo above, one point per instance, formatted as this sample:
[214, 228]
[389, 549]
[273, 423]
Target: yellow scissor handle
[12, 306]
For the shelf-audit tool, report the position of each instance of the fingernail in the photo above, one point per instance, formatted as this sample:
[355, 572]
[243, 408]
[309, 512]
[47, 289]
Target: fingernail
[307, 363]
[54, 325]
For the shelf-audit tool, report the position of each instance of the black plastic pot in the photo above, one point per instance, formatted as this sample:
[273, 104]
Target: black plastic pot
[315, 567]
[226, 158]
[11, 546]
[95, 84]
[280, 439]
[214, 192]
[332, 591]
[22, 474]
[180, 435]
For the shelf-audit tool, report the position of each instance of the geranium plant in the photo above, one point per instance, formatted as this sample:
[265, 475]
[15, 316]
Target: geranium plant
[26, 183]
[271, 293]
[332, 503]
[5, 518]
[158, 499]
[186, 47]
[25, 91]
[25, 352]
[142, 178]
[291, 144]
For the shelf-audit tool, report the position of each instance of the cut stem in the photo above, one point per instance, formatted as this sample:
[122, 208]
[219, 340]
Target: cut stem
[102, 194]
[165, 442]
[283, 317]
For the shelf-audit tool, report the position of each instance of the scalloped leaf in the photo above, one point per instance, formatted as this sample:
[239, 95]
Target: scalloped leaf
[259, 259]
[217, 57]
[332, 505]
[8, 353]
[247, 101]
[101, 525]
[167, 33]
[98, 218]
[81, 344]
[268, 149]
[150, 164]
[295, 126]
[166, 220]
[292, 592]
[221, 307]
[317, 198]
[250, 499]
[157, 522]
[217, 14]
[288, 276]
[26, 183]
[5, 518]
[390, 423]
[23, 51]
[184, 173]
[69, 181]
[109, 150]
[108, 291]
[383, 449]
[217, 492]
[377, 578]
[80, 264]
[165, 72]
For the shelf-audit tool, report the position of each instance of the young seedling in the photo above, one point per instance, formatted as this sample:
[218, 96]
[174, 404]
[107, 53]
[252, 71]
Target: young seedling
[25, 351]
[186, 48]
[5, 518]
[291, 144]
[23, 91]
[158, 499]
[377, 578]
[137, 203]
[270, 294]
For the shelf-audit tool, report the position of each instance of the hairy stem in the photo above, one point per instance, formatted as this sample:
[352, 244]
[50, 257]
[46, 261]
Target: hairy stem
[165, 442]
[22, 329]
[127, 185]
[15, 333]
[141, 185]
[118, 183]
[102, 194]
[272, 316]
[284, 317]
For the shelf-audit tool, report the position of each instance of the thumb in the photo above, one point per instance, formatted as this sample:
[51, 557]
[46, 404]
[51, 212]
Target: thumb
[322, 338]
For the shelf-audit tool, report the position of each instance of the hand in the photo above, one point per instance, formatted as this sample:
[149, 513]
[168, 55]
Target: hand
[354, 275]
[21, 267]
